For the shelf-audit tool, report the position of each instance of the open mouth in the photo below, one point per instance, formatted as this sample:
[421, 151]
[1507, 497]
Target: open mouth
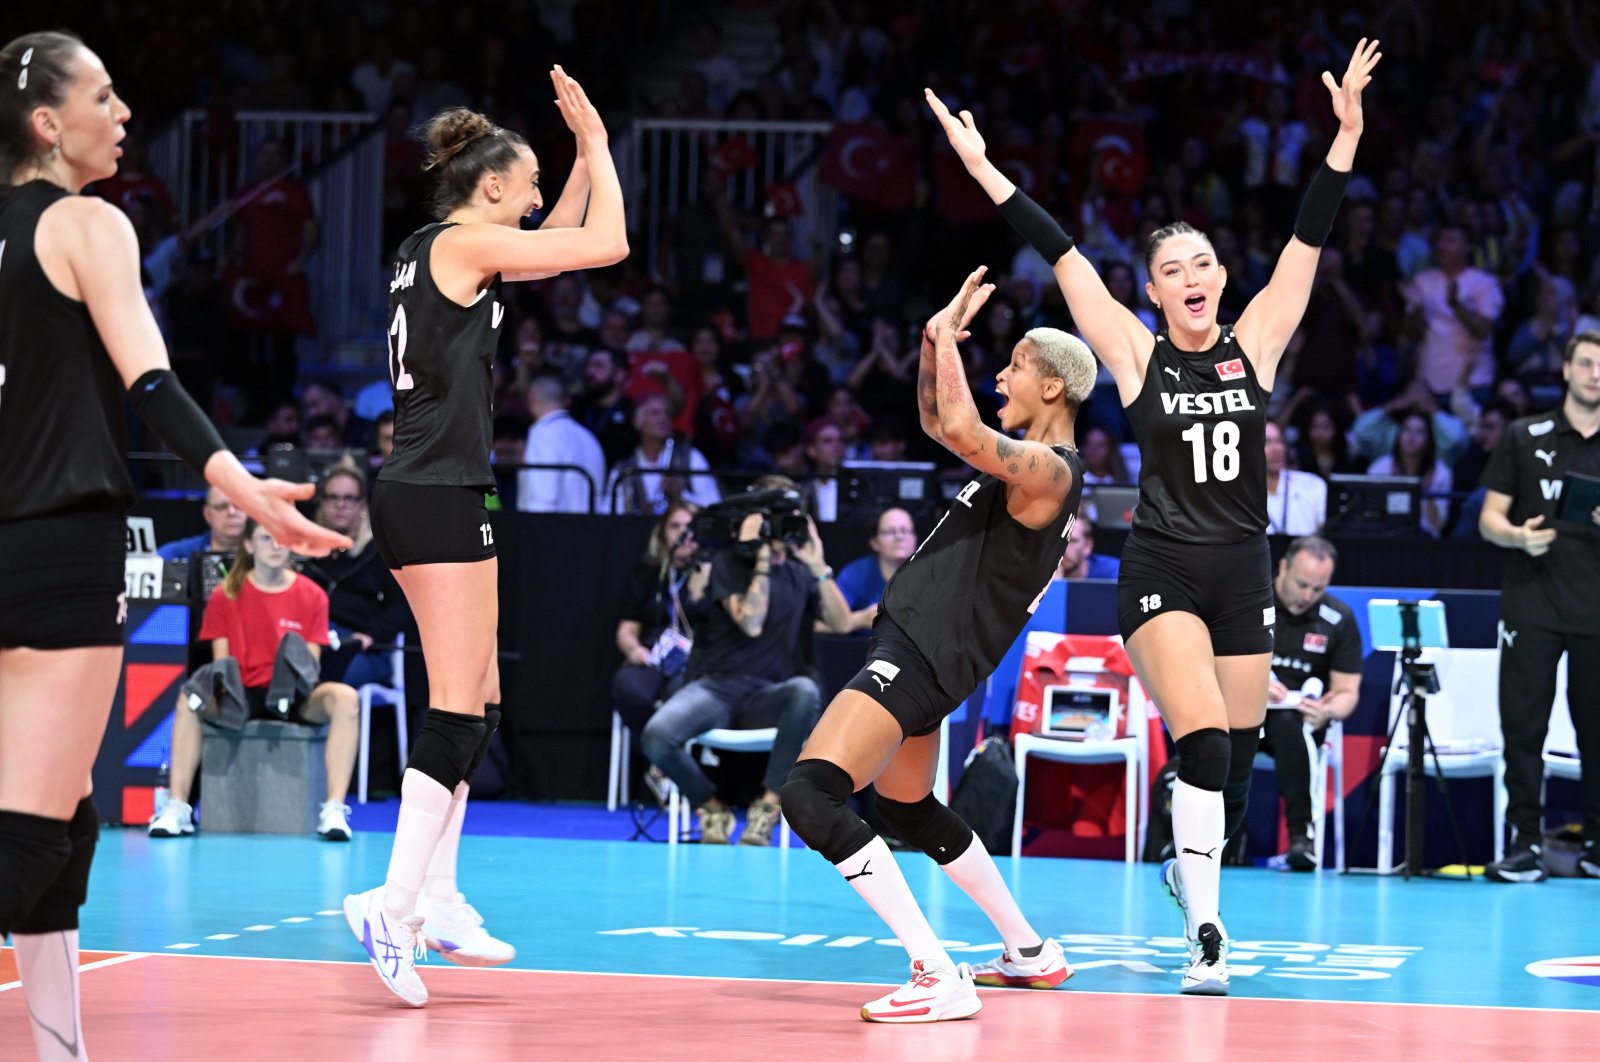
[1195, 304]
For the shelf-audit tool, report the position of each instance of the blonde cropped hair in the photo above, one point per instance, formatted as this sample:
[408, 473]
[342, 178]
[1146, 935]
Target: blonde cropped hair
[1067, 358]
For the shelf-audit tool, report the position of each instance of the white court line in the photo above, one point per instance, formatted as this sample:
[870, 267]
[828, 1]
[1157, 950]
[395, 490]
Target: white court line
[222, 936]
[96, 965]
[295, 919]
[258, 929]
[505, 970]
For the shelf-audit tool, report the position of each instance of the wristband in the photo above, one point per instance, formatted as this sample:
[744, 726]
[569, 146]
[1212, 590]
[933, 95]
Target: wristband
[1320, 205]
[824, 575]
[1041, 230]
[160, 400]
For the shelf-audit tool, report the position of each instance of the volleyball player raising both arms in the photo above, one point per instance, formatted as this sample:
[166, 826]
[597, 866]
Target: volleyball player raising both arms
[947, 617]
[429, 520]
[76, 336]
[1194, 596]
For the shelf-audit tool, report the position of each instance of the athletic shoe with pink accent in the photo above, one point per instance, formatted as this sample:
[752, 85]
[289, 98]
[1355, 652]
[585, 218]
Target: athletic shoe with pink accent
[1045, 970]
[454, 929]
[393, 944]
[934, 993]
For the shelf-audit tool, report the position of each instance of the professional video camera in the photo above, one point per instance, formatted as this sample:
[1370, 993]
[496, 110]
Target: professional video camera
[784, 519]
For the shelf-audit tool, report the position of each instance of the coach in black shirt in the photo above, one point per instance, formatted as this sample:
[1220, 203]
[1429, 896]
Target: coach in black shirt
[1315, 637]
[1549, 605]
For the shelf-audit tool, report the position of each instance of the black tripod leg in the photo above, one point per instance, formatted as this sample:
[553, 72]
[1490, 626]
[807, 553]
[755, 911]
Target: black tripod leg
[1444, 791]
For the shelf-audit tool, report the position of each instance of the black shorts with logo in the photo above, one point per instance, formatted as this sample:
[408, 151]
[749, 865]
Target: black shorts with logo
[1228, 586]
[61, 580]
[898, 676]
[418, 524]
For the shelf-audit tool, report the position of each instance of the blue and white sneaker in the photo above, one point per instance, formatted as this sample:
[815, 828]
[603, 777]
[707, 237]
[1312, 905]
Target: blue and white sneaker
[455, 930]
[394, 945]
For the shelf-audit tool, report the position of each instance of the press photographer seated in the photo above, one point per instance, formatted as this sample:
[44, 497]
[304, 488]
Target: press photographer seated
[748, 670]
[260, 601]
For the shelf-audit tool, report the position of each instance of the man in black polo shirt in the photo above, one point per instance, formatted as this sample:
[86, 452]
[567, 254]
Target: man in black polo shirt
[1316, 667]
[1549, 605]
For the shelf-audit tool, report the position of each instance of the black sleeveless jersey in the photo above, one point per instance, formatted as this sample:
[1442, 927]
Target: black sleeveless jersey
[1201, 422]
[441, 361]
[968, 590]
[63, 425]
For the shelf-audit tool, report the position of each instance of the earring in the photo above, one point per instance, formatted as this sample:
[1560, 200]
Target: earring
[55, 149]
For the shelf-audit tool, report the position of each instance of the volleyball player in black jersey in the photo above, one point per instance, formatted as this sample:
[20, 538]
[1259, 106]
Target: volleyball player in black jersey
[76, 336]
[1195, 590]
[947, 617]
[428, 515]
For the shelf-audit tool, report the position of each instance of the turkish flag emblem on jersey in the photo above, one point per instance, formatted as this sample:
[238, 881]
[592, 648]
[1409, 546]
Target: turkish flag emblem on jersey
[1316, 643]
[1231, 370]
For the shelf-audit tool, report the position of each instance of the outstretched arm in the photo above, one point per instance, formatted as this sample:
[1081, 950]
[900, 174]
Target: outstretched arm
[965, 306]
[1031, 466]
[1118, 338]
[1273, 315]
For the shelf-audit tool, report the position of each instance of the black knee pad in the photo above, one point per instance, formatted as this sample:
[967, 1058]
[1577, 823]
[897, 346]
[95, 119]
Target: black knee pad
[1203, 759]
[1236, 792]
[928, 825]
[446, 745]
[491, 723]
[813, 800]
[57, 907]
[33, 851]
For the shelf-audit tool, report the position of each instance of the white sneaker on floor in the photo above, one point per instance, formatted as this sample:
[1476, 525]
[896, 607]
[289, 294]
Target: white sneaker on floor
[393, 944]
[934, 993]
[1045, 970]
[175, 820]
[1207, 974]
[455, 930]
[333, 822]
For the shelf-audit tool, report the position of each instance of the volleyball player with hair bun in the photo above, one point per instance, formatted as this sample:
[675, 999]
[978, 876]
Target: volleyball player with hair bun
[76, 340]
[429, 520]
[1195, 603]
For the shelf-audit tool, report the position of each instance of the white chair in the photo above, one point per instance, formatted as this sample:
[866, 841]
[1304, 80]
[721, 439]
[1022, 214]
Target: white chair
[711, 742]
[621, 759]
[394, 696]
[1130, 750]
[1561, 741]
[1464, 721]
[1329, 758]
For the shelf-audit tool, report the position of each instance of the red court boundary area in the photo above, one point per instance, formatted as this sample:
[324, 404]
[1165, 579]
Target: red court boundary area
[155, 1008]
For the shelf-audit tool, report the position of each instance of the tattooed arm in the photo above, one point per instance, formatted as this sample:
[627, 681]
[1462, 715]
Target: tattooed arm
[1031, 466]
[964, 307]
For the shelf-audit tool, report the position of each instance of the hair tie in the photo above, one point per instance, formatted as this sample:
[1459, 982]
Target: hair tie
[22, 78]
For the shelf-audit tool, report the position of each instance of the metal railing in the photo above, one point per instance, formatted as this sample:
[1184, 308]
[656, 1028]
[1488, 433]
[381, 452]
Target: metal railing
[661, 160]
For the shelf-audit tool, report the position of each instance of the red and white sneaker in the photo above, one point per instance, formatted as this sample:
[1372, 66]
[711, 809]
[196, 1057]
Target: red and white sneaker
[934, 993]
[1045, 970]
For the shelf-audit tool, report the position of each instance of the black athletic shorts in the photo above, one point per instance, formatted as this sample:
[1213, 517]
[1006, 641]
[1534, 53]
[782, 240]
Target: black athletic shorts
[1229, 587]
[416, 524]
[898, 677]
[61, 580]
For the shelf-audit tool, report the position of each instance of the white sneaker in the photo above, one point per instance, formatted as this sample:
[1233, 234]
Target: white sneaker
[1207, 974]
[333, 822]
[393, 945]
[1045, 970]
[175, 820]
[934, 993]
[455, 930]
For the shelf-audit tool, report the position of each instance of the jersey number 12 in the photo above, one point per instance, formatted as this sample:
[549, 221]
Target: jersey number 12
[397, 352]
[1224, 450]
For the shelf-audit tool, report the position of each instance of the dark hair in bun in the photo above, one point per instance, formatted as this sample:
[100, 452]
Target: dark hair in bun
[40, 81]
[463, 145]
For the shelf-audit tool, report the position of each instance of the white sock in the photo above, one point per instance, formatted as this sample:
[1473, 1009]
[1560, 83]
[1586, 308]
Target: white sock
[440, 882]
[424, 810]
[1197, 824]
[49, 966]
[876, 876]
[977, 876]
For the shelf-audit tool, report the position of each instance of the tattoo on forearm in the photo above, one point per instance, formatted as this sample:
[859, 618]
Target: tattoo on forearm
[975, 451]
[1033, 462]
[1058, 471]
[1012, 468]
[753, 606]
[1005, 448]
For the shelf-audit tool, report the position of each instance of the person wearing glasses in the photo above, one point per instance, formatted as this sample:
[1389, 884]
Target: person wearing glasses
[365, 605]
[863, 579]
[224, 530]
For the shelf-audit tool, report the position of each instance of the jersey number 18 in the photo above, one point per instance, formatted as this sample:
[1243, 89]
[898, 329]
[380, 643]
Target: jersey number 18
[1224, 450]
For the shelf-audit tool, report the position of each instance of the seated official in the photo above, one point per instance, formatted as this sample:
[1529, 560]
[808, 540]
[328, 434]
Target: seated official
[746, 671]
[862, 580]
[261, 600]
[1315, 638]
[224, 530]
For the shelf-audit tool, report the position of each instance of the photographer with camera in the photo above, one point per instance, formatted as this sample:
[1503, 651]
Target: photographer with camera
[769, 583]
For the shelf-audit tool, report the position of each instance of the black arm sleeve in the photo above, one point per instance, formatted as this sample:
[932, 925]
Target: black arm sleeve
[160, 400]
[1036, 226]
[1321, 205]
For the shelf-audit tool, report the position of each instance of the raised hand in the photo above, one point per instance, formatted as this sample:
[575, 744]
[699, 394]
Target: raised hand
[963, 134]
[966, 304]
[1347, 93]
[575, 108]
[271, 502]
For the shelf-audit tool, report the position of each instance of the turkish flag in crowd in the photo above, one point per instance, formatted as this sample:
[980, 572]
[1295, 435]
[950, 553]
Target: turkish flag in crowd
[272, 305]
[783, 201]
[1115, 149]
[733, 156]
[869, 163]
